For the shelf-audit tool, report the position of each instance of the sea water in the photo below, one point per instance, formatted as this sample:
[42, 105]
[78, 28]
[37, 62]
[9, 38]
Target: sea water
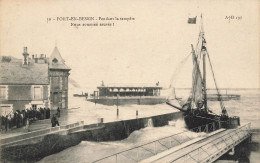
[247, 108]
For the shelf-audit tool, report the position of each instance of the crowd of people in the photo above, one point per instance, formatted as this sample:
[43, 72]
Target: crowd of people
[22, 118]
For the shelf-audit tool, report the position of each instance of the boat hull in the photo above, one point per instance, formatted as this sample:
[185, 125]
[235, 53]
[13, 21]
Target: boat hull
[193, 121]
[206, 120]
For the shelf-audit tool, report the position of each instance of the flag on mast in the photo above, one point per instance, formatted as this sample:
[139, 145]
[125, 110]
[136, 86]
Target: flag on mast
[192, 20]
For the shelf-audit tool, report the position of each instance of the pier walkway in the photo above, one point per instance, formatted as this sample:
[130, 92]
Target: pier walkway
[90, 113]
[38, 134]
[170, 149]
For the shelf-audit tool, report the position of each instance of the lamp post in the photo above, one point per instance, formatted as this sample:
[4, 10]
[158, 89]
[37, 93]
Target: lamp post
[117, 110]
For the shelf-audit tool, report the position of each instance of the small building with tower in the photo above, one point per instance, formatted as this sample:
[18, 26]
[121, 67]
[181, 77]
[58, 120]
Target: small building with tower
[33, 82]
[58, 77]
[59, 74]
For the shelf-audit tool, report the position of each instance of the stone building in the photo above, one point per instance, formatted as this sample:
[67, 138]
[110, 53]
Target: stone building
[23, 84]
[59, 74]
[33, 82]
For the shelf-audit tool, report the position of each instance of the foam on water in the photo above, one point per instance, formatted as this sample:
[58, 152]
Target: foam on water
[88, 111]
[89, 151]
[248, 108]
[149, 134]
[149, 123]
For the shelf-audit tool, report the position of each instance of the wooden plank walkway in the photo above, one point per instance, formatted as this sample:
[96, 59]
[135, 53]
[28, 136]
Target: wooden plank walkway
[204, 150]
[182, 148]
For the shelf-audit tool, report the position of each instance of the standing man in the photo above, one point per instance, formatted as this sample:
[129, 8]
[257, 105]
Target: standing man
[6, 122]
[58, 112]
[53, 121]
[48, 113]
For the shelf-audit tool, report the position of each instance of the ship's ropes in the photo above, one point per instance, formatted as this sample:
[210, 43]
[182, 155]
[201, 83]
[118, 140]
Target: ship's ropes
[224, 112]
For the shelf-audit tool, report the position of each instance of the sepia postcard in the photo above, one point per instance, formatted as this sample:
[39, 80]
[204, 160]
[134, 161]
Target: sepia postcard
[129, 81]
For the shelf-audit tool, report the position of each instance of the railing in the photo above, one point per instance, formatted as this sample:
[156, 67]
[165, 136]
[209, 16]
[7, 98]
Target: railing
[147, 150]
[125, 97]
[39, 133]
[210, 151]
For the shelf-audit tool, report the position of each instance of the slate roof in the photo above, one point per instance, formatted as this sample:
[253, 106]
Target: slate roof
[16, 73]
[60, 64]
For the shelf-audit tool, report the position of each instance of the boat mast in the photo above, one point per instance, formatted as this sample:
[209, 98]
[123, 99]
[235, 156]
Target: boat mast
[204, 66]
[204, 80]
[205, 52]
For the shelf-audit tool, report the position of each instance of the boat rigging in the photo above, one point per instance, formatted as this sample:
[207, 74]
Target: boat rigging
[196, 108]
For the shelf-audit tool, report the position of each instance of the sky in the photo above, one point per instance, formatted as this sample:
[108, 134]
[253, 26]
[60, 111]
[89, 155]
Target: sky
[147, 49]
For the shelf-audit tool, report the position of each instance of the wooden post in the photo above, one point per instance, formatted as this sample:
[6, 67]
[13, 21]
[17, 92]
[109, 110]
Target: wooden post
[117, 110]
[95, 97]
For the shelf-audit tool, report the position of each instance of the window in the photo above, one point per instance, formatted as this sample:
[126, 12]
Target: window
[6, 109]
[61, 80]
[65, 83]
[3, 92]
[37, 92]
[55, 82]
[55, 60]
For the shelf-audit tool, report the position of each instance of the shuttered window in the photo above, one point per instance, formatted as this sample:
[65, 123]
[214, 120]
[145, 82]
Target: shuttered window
[3, 92]
[37, 92]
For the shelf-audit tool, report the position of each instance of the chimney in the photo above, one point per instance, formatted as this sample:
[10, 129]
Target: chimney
[26, 56]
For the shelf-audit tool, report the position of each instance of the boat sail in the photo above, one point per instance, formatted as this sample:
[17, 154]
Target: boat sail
[195, 108]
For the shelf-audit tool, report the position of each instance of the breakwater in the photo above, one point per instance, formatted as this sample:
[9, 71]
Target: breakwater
[138, 100]
[35, 147]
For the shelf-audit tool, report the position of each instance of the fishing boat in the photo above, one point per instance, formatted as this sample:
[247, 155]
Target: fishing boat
[195, 107]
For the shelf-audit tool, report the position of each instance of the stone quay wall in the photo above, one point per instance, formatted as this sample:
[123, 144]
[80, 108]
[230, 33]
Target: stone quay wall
[35, 146]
